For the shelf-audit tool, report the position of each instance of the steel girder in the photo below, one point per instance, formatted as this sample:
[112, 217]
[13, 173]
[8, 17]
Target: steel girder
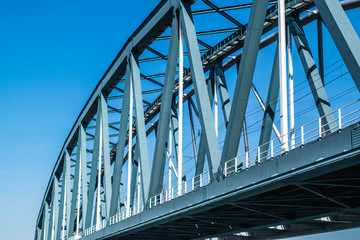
[343, 34]
[202, 99]
[270, 109]
[243, 83]
[101, 143]
[140, 129]
[54, 209]
[160, 18]
[64, 209]
[80, 183]
[165, 111]
[312, 74]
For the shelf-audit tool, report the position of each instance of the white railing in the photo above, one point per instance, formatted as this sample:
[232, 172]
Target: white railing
[186, 187]
[95, 228]
[122, 215]
[314, 130]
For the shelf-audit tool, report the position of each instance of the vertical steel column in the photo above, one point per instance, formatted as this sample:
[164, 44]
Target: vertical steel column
[216, 72]
[312, 73]
[68, 192]
[193, 138]
[180, 107]
[125, 109]
[170, 157]
[283, 78]
[37, 233]
[94, 171]
[270, 109]
[100, 151]
[53, 209]
[202, 98]
[106, 154]
[246, 142]
[83, 166]
[103, 200]
[320, 49]
[158, 165]
[128, 190]
[244, 79]
[134, 174]
[291, 89]
[199, 168]
[45, 221]
[99, 168]
[65, 196]
[223, 92]
[175, 128]
[140, 128]
[216, 117]
[343, 34]
[80, 176]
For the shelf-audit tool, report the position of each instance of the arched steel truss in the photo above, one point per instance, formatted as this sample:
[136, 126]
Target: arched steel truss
[76, 204]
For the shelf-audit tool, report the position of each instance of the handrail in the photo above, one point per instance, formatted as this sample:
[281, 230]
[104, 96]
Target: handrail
[186, 187]
[305, 134]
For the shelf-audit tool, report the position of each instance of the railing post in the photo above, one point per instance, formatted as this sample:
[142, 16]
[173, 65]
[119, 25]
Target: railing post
[193, 183]
[236, 163]
[258, 154]
[201, 180]
[302, 135]
[339, 116]
[247, 159]
[226, 169]
[272, 148]
[319, 127]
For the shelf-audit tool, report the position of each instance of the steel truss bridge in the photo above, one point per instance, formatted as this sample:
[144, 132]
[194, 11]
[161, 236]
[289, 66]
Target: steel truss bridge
[162, 149]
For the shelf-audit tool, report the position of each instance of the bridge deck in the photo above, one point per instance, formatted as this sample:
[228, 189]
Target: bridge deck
[318, 180]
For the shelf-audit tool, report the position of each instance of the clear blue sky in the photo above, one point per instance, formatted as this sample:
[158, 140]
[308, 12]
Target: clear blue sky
[52, 55]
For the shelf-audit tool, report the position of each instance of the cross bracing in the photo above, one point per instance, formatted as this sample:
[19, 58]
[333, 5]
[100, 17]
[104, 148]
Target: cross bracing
[137, 112]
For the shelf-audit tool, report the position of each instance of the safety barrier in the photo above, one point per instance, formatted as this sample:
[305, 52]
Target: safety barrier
[178, 190]
[314, 130]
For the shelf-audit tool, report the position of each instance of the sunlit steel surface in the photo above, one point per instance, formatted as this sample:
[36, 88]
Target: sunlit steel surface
[290, 183]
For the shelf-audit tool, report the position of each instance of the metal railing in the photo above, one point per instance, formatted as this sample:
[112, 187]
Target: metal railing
[96, 228]
[314, 130]
[123, 215]
[186, 187]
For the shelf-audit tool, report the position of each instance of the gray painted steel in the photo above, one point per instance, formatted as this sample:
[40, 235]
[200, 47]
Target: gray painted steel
[297, 166]
[140, 128]
[202, 99]
[270, 109]
[80, 162]
[312, 75]
[165, 112]
[343, 34]
[53, 208]
[121, 145]
[243, 83]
